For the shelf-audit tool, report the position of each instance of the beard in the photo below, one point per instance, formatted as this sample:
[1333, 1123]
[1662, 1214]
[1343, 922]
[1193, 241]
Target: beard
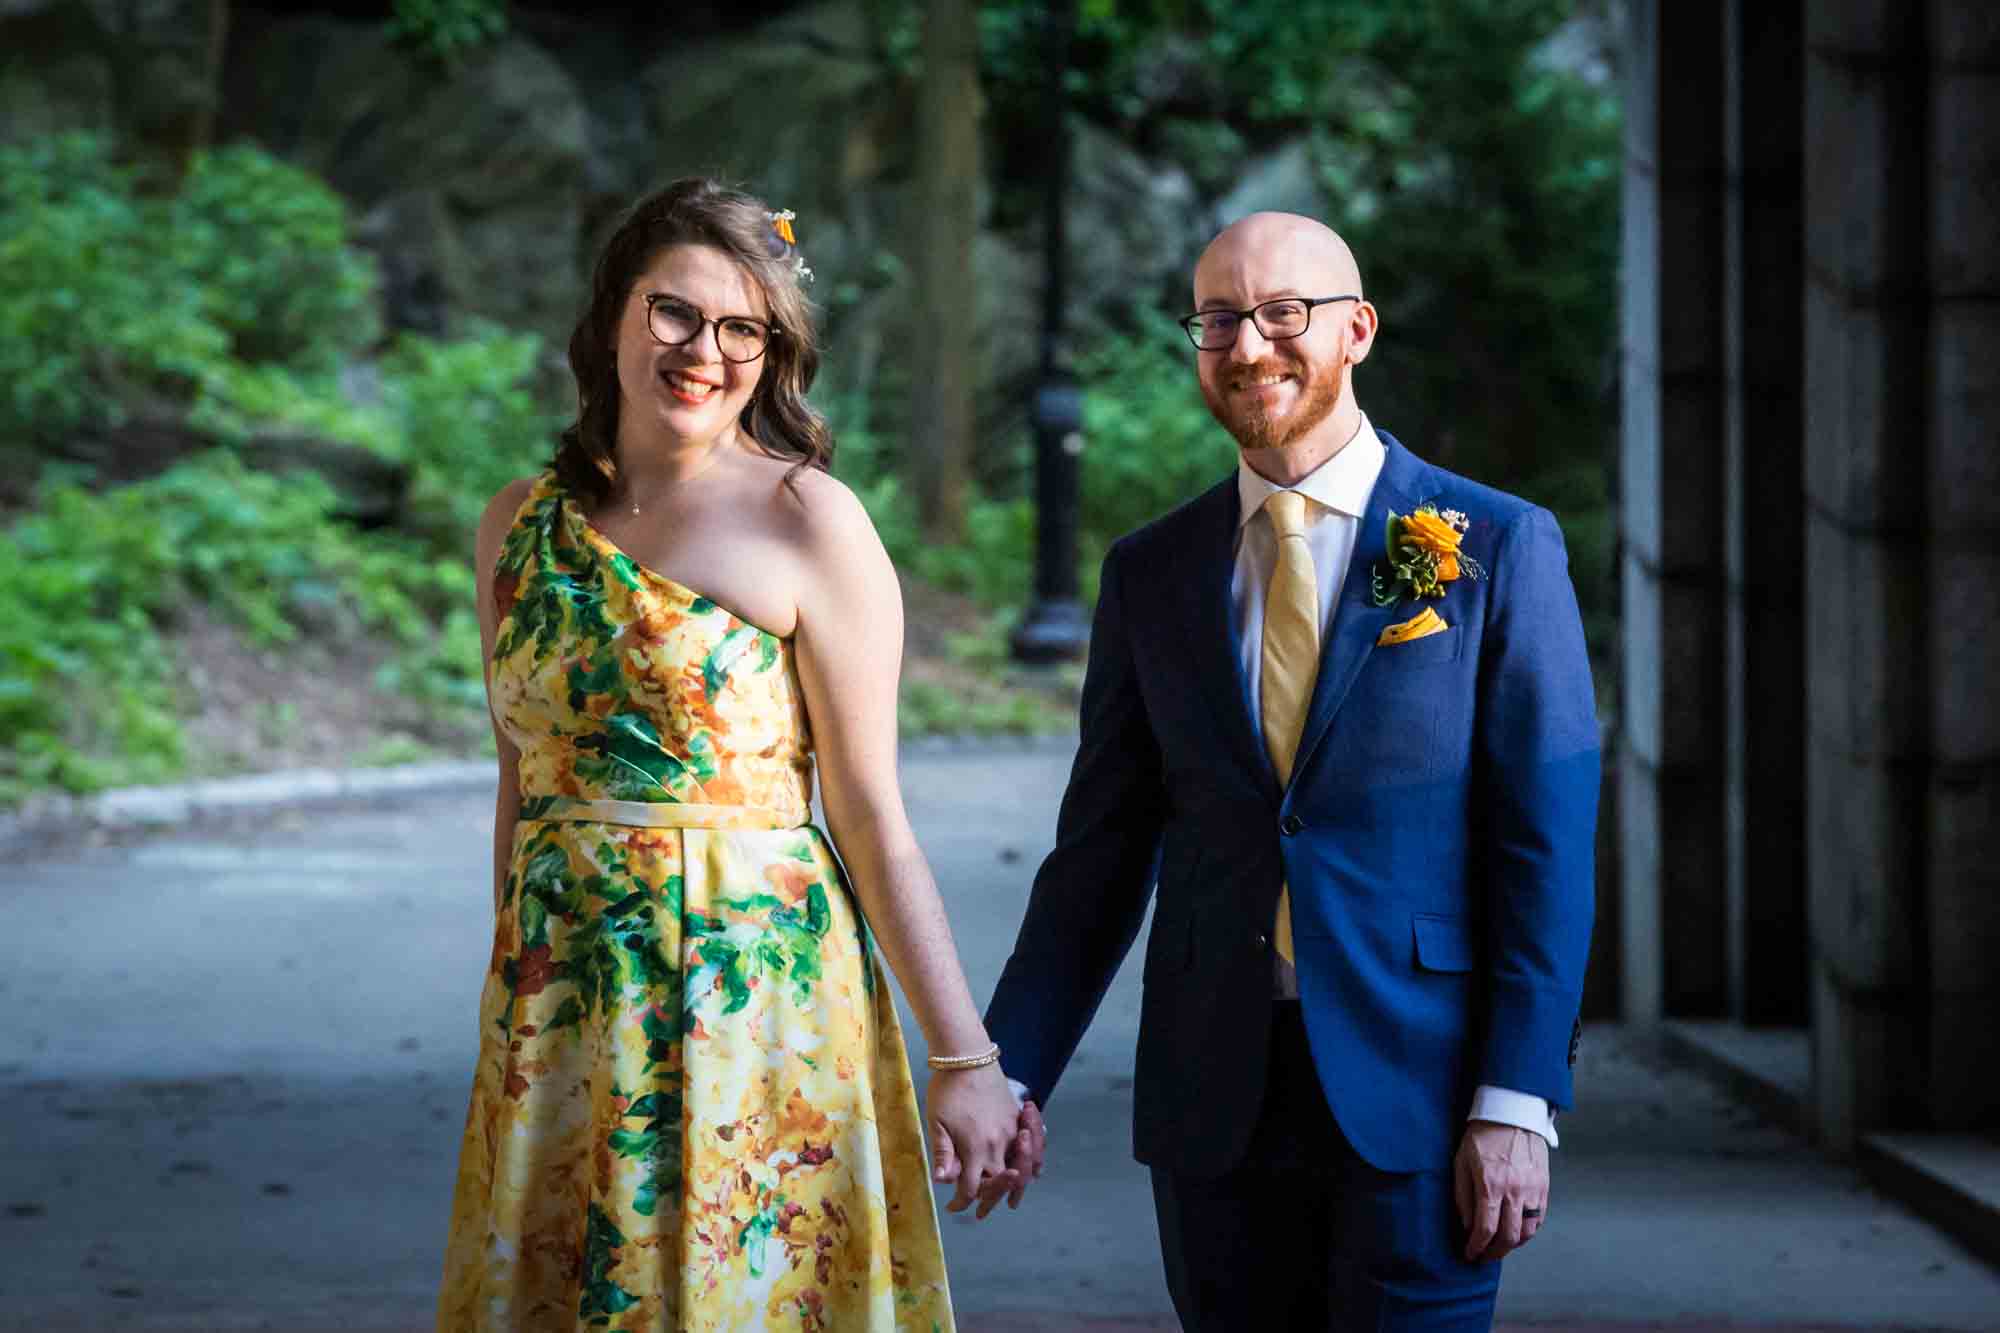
[1252, 424]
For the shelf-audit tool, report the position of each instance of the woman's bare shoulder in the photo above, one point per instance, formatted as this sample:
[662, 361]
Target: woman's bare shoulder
[507, 501]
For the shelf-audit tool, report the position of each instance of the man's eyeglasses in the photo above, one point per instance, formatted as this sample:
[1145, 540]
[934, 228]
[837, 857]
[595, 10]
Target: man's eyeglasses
[738, 337]
[1286, 317]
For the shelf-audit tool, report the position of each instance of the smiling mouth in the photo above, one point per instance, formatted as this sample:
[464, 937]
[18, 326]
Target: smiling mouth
[1257, 382]
[687, 388]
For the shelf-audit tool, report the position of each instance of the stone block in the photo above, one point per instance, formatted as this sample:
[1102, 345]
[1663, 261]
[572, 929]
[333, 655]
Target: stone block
[1693, 626]
[1641, 84]
[1639, 451]
[1691, 471]
[1693, 889]
[1964, 694]
[1773, 356]
[1770, 91]
[1866, 1072]
[1963, 832]
[1964, 499]
[1865, 171]
[1864, 373]
[1965, 33]
[1693, 278]
[1640, 951]
[1962, 1094]
[1866, 622]
[1863, 860]
[1865, 30]
[1965, 184]
[1772, 532]
[1641, 660]
[1828, 627]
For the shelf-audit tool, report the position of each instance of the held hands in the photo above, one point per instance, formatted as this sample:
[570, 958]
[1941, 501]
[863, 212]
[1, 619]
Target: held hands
[982, 1139]
[1501, 1180]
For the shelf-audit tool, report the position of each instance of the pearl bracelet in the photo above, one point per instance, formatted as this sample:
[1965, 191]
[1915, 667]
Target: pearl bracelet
[990, 1057]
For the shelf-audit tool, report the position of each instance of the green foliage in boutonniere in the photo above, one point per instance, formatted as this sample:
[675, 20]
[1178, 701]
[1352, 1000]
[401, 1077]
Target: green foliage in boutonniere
[1423, 555]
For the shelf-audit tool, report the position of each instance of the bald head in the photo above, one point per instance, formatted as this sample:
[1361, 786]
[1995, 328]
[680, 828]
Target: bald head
[1274, 254]
[1280, 381]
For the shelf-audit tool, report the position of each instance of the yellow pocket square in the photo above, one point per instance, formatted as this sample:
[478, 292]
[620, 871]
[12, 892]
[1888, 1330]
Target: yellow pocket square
[1420, 626]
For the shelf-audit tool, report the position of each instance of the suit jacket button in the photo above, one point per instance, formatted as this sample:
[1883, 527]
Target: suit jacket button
[1261, 938]
[1290, 824]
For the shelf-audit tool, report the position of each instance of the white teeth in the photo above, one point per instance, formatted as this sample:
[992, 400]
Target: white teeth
[694, 388]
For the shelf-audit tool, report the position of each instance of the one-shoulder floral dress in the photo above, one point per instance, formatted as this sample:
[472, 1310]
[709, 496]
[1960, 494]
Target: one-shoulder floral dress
[692, 1108]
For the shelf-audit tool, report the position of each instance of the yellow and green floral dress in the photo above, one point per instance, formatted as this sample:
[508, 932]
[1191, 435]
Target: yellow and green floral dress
[693, 1107]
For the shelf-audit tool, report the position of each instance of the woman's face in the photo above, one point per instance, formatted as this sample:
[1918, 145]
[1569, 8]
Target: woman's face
[688, 391]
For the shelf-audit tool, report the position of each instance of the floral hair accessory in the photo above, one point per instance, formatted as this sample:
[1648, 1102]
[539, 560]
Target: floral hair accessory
[787, 241]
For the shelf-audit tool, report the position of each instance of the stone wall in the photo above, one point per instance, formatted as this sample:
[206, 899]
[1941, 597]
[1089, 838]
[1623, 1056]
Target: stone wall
[1811, 519]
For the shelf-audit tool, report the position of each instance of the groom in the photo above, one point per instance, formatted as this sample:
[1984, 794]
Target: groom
[1339, 708]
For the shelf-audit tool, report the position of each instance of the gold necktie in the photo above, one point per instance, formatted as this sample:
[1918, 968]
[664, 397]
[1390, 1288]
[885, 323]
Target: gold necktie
[1291, 658]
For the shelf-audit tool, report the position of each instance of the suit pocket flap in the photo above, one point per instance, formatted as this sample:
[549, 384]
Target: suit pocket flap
[1444, 943]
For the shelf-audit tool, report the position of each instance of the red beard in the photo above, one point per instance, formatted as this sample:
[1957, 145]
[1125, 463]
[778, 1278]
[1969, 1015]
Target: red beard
[1252, 425]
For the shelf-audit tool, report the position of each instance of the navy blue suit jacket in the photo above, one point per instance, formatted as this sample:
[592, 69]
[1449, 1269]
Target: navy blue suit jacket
[1437, 836]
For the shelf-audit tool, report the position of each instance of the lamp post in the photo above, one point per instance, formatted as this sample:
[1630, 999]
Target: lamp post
[1054, 628]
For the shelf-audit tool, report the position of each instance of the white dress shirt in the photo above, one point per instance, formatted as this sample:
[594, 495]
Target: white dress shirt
[1336, 498]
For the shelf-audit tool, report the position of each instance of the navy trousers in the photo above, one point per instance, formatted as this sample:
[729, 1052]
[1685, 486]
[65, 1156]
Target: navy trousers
[1304, 1235]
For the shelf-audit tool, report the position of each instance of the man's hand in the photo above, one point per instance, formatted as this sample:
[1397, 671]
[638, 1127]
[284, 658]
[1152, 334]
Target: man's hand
[1025, 1155]
[1501, 1180]
[1022, 1161]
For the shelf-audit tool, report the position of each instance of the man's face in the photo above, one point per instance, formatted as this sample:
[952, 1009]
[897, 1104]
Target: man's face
[1266, 393]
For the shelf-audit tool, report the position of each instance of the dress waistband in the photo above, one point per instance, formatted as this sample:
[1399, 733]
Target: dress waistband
[652, 814]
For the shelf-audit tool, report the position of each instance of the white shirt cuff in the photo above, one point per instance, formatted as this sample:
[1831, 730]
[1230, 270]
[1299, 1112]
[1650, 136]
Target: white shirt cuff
[1523, 1110]
[1020, 1091]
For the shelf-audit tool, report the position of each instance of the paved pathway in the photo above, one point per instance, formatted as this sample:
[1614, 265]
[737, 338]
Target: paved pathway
[235, 1062]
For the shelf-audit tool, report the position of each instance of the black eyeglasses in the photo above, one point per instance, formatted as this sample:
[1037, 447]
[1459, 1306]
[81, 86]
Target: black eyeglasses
[1286, 317]
[738, 337]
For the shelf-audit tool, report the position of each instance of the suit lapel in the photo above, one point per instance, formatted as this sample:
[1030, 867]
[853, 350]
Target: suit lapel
[1218, 661]
[1356, 619]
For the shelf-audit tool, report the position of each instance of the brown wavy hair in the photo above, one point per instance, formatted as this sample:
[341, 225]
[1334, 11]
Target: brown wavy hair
[700, 211]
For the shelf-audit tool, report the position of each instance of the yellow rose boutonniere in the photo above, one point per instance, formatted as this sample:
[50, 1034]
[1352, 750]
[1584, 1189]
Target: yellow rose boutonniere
[1423, 555]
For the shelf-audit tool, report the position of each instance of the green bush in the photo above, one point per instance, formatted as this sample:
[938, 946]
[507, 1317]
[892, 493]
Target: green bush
[238, 401]
[92, 313]
[471, 421]
[88, 582]
[268, 244]
[447, 29]
[1149, 442]
[110, 296]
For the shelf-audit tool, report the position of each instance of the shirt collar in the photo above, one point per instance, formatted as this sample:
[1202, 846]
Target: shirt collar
[1342, 483]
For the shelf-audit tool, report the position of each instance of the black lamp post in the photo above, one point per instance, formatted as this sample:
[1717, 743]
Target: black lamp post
[1054, 628]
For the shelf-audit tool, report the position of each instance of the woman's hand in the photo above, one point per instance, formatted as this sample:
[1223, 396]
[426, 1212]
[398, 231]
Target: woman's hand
[975, 1123]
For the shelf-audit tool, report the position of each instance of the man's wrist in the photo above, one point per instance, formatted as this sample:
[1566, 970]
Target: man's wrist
[1523, 1110]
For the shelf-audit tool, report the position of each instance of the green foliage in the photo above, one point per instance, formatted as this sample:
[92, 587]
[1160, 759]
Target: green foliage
[448, 29]
[110, 296]
[1150, 443]
[268, 244]
[237, 401]
[928, 709]
[471, 422]
[92, 579]
[1480, 189]
[89, 306]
